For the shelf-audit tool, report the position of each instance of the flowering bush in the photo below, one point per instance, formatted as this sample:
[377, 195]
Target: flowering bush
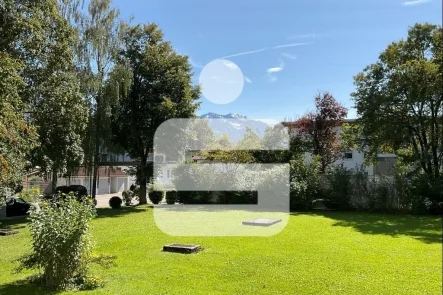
[61, 244]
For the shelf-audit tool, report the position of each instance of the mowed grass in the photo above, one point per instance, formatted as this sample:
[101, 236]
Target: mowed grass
[324, 253]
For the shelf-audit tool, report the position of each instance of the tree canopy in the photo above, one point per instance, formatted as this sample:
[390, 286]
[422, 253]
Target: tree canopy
[160, 88]
[399, 99]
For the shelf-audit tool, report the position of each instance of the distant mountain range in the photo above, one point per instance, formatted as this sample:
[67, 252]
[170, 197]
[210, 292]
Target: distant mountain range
[234, 125]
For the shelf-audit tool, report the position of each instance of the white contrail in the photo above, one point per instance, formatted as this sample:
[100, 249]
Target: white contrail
[267, 48]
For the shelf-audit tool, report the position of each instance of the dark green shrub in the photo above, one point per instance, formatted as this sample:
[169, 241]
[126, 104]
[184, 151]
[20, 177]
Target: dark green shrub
[305, 183]
[171, 197]
[78, 190]
[338, 190]
[64, 189]
[237, 197]
[187, 197]
[381, 201]
[427, 194]
[60, 240]
[115, 202]
[156, 197]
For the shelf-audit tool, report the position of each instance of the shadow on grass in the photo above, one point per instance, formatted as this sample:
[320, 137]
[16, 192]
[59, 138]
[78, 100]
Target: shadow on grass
[109, 212]
[17, 223]
[25, 287]
[424, 228]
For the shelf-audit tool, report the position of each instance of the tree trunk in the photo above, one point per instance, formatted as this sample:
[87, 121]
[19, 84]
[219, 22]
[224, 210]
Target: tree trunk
[142, 196]
[54, 181]
[97, 150]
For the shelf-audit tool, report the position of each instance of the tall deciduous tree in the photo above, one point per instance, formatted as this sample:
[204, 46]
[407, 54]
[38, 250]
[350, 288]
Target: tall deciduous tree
[400, 98]
[161, 88]
[99, 31]
[17, 136]
[317, 131]
[35, 34]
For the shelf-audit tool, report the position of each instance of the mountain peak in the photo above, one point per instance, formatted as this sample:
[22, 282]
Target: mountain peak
[218, 116]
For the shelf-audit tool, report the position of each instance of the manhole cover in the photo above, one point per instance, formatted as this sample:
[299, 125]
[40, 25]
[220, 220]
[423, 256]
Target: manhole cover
[182, 248]
[262, 221]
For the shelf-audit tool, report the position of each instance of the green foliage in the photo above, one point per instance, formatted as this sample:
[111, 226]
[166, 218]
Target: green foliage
[127, 197]
[156, 197]
[78, 190]
[37, 36]
[305, 183]
[5, 193]
[31, 195]
[399, 100]
[60, 241]
[338, 189]
[169, 93]
[99, 40]
[171, 197]
[17, 137]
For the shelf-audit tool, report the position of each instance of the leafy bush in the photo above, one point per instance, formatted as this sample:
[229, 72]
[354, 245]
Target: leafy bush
[363, 190]
[5, 193]
[115, 202]
[30, 195]
[194, 197]
[187, 197]
[156, 187]
[428, 197]
[338, 191]
[305, 183]
[156, 197]
[78, 190]
[63, 189]
[171, 197]
[136, 191]
[127, 197]
[60, 241]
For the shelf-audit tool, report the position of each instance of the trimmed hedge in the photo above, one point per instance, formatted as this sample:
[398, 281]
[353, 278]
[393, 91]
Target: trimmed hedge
[115, 202]
[171, 197]
[156, 197]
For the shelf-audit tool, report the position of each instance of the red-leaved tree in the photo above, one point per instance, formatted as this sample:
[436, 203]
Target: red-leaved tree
[318, 131]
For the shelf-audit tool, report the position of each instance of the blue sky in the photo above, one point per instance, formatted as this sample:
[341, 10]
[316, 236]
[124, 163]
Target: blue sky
[341, 37]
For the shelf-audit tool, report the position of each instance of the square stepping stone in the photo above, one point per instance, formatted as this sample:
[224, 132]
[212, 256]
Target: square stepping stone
[182, 248]
[8, 232]
[262, 222]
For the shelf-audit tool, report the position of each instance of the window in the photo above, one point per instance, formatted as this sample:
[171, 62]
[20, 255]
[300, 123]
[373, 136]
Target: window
[348, 155]
[168, 174]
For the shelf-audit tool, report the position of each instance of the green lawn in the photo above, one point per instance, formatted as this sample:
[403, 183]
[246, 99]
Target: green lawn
[326, 253]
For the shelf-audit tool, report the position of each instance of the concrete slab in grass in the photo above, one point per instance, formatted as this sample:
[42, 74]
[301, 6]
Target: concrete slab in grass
[262, 222]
